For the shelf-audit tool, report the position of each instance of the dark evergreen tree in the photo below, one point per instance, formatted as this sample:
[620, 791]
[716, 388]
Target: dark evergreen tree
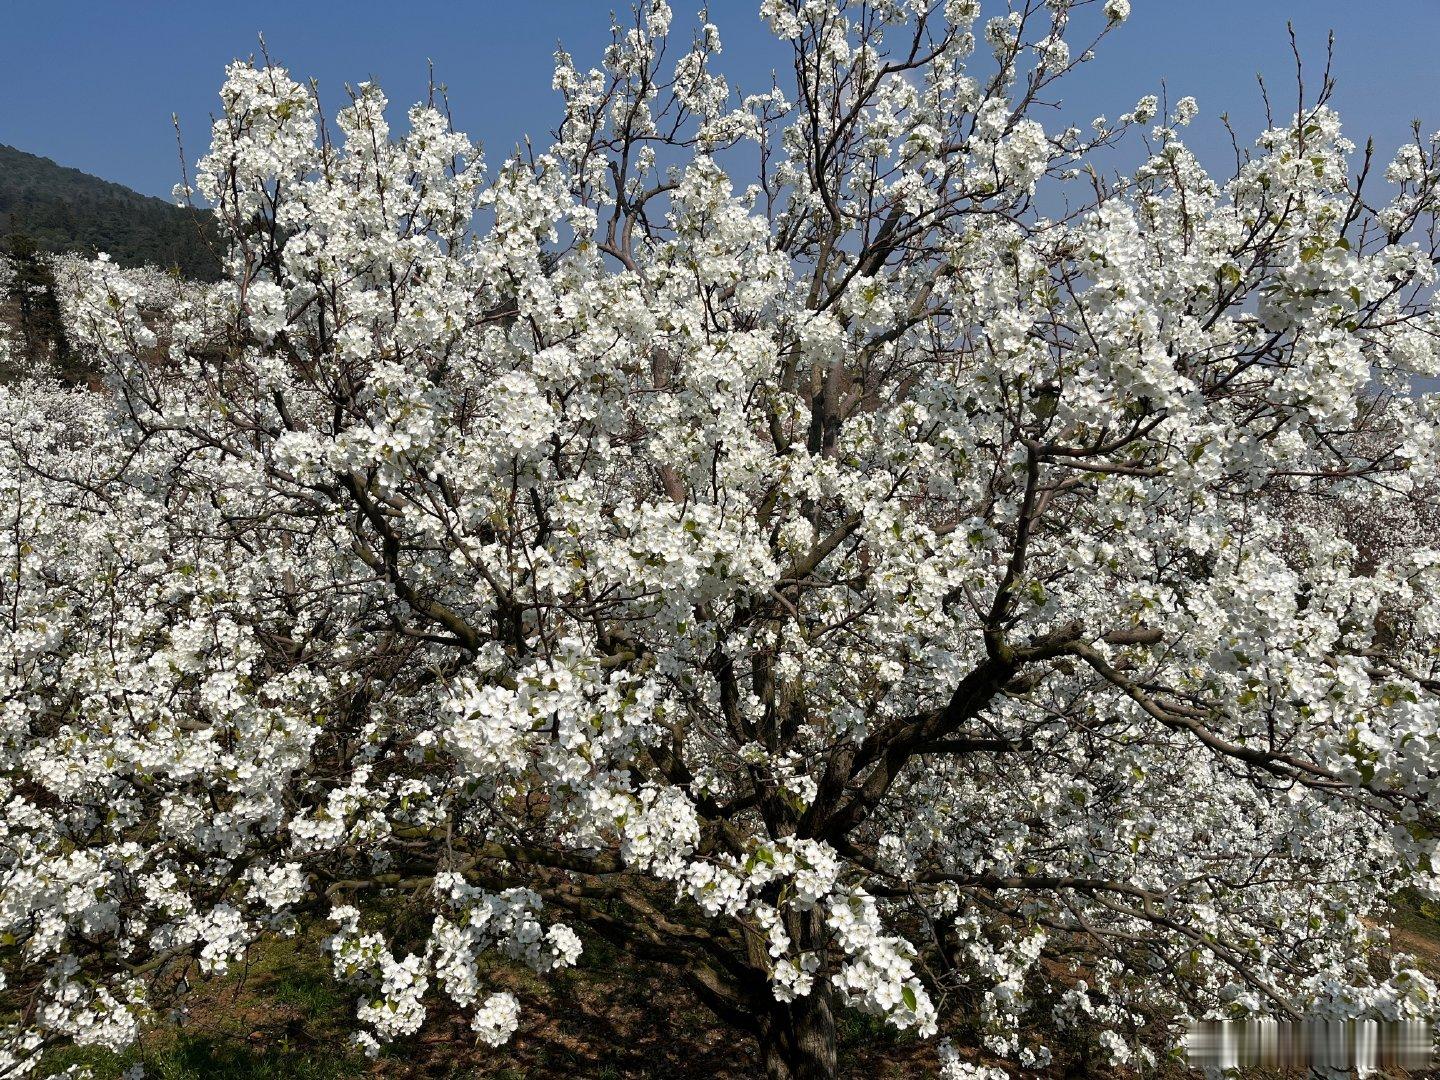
[39, 326]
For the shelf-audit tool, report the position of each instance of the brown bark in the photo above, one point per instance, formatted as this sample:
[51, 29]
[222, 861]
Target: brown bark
[797, 1038]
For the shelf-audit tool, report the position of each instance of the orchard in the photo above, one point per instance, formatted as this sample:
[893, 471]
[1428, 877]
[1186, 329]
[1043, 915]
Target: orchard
[842, 544]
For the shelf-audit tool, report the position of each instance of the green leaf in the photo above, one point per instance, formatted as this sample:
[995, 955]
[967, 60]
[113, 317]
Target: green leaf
[908, 996]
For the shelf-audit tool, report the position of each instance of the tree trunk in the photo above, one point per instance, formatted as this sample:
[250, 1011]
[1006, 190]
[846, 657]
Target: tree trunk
[797, 1039]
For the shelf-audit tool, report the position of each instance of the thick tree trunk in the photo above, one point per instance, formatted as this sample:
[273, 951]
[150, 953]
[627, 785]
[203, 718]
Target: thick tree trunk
[797, 1040]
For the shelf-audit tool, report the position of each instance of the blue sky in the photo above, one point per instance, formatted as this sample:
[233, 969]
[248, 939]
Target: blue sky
[93, 83]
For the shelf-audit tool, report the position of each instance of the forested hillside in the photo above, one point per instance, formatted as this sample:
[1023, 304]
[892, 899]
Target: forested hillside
[64, 209]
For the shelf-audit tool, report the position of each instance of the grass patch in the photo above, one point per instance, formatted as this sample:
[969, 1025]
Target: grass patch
[280, 1017]
[210, 1056]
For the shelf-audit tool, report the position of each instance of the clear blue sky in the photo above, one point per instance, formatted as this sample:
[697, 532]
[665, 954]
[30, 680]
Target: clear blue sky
[92, 83]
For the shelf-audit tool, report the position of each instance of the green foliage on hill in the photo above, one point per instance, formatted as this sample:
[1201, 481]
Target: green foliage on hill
[62, 209]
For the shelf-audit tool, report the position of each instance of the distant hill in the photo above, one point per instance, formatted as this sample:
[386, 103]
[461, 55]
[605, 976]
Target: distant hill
[63, 209]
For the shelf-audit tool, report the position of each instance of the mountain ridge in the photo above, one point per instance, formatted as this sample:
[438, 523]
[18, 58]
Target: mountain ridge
[64, 209]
